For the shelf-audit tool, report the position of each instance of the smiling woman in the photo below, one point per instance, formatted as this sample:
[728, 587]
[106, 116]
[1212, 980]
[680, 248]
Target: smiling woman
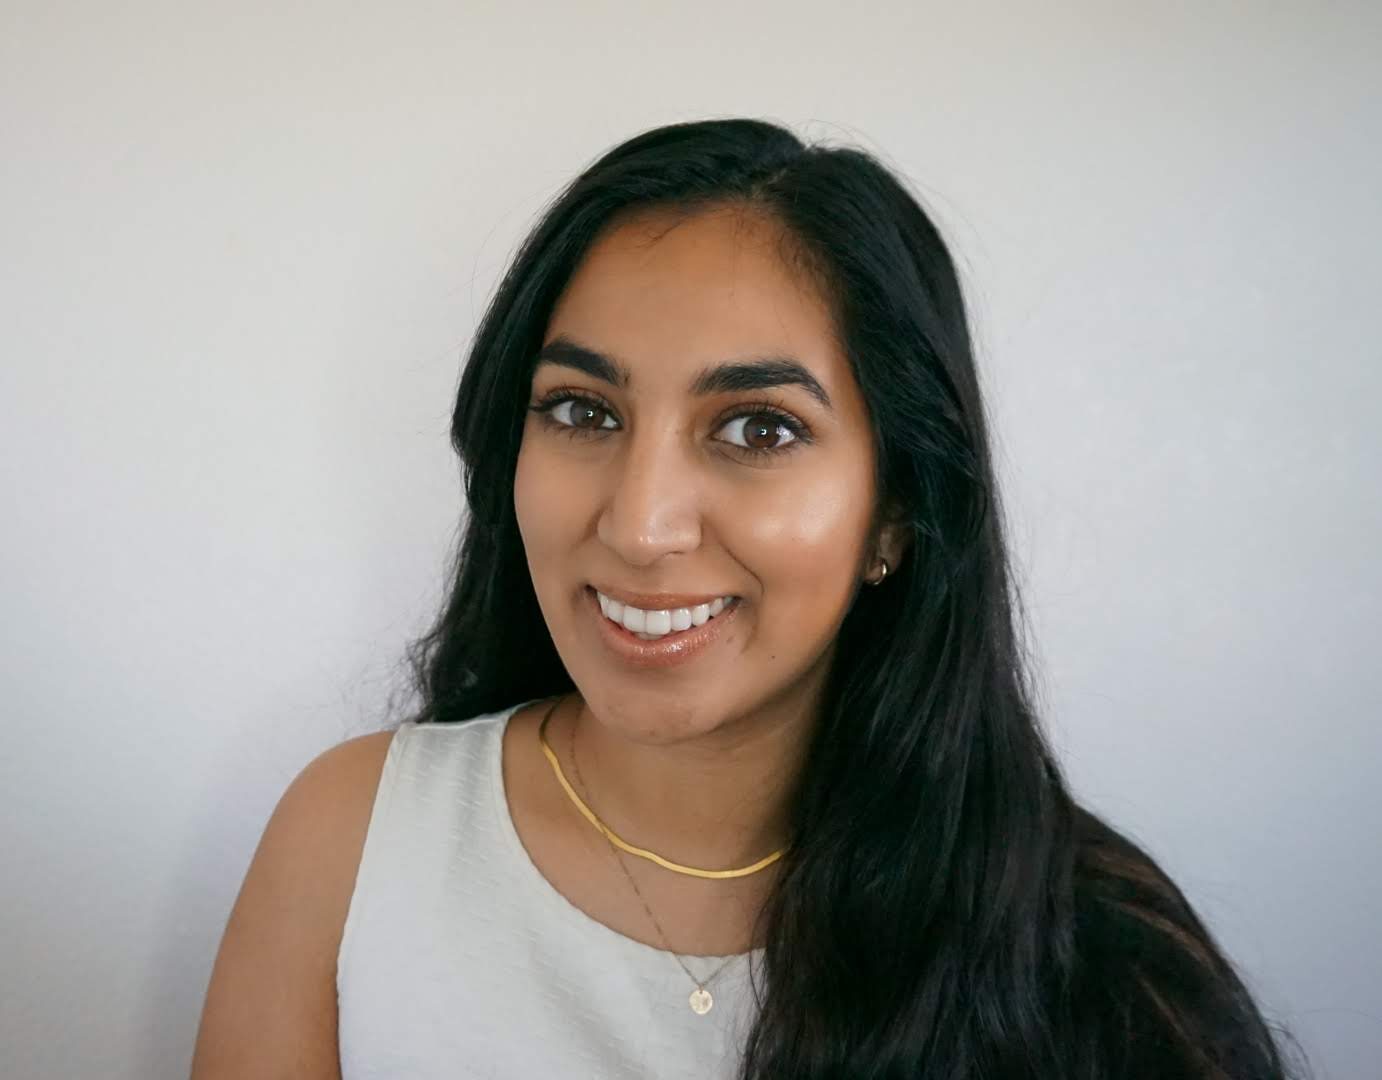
[695, 434]
[726, 764]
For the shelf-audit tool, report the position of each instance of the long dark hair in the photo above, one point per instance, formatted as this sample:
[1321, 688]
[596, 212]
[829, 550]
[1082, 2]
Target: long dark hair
[945, 908]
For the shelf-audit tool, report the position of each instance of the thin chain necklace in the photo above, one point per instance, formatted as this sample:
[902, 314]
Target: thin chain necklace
[700, 998]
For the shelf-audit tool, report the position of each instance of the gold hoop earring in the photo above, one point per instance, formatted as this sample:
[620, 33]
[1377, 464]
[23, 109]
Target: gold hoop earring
[879, 579]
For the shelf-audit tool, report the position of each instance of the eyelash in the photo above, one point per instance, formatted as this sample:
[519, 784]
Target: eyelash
[801, 434]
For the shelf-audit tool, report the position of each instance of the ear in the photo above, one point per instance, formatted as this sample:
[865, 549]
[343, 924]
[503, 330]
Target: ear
[893, 537]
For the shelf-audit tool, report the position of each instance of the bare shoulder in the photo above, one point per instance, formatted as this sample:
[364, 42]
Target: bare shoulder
[331, 798]
[270, 1007]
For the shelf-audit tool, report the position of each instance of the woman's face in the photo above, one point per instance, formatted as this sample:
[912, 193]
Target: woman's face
[694, 432]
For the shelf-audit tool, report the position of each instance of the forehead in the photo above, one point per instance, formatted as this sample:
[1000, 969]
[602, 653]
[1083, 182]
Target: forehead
[668, 293]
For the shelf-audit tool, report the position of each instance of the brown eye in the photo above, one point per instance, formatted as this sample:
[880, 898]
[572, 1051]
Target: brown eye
[591, 416]
[759, 432]
[582, 414]
[762, 434]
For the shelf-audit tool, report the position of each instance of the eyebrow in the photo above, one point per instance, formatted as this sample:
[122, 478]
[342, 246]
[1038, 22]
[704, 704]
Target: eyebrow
[756, 373]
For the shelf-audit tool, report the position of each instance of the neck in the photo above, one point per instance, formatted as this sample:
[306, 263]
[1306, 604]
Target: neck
[715, 801]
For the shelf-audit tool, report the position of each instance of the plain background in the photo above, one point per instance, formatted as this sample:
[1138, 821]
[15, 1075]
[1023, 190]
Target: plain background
[244, 247]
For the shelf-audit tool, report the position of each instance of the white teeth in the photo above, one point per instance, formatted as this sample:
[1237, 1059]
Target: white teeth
[651, 625]
[658, 622]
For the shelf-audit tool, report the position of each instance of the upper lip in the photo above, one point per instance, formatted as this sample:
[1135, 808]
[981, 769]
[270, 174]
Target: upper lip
[658, 601]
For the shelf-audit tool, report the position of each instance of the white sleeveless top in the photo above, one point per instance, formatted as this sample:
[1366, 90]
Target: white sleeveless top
[459, 959]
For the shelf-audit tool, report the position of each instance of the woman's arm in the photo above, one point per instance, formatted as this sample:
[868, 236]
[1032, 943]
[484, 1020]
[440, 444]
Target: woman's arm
[270, 1008]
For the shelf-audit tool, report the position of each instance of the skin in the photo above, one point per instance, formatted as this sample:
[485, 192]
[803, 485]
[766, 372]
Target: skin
[654, 493]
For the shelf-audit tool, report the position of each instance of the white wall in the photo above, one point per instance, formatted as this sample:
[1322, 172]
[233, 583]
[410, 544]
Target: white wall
[242, 247]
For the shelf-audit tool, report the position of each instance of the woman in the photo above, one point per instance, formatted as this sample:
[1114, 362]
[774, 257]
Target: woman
[726, 763]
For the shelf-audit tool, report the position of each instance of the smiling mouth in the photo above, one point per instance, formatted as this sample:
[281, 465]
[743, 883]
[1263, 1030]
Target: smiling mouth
[656, 625]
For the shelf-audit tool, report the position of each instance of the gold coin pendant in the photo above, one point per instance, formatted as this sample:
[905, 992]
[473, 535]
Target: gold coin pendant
[701, 1001]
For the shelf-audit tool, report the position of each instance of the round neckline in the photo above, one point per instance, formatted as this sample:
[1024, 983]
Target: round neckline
[554, 897]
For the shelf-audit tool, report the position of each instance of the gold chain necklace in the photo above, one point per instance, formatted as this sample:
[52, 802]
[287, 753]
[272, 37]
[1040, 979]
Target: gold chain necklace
[700, 998]
[651, 856]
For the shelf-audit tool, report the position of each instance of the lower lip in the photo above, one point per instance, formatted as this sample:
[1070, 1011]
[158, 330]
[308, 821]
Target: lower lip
[668, 651]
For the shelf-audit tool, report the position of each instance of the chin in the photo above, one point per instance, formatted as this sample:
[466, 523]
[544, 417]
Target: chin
[648, 715]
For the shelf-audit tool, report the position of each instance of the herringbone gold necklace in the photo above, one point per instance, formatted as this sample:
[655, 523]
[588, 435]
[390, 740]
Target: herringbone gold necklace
[618, 842]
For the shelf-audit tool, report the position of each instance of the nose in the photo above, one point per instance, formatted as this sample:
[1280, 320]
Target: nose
[651, 501]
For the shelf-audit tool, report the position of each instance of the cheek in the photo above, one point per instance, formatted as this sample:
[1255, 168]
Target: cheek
[538, 504]
[803, 543]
